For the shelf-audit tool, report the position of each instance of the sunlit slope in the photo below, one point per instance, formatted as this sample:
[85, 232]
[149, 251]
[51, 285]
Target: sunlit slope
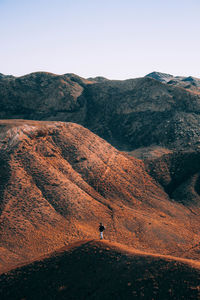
[59, 180]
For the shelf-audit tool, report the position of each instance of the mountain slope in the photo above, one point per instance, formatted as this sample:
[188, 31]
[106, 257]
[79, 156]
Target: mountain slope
[42, 96]
[102, 270]
[59, 180]
[179, 174]
[143, 112]
[189, 83]
[129, 114]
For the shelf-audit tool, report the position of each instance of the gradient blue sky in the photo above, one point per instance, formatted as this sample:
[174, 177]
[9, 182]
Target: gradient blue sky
[111, 38]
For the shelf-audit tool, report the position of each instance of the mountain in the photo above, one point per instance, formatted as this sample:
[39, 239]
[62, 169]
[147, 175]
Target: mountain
[129, 114]
[143, 112]
[102, 270]
[2, 76]
[98, 79]
[43, 96]
[190, 83]
[59, 180]
[163, 77]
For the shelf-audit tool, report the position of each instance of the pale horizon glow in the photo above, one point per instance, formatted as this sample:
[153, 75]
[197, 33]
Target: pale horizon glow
[114, 38]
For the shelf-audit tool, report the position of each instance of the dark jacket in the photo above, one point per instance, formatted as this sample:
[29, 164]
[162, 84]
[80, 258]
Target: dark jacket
[101, 228]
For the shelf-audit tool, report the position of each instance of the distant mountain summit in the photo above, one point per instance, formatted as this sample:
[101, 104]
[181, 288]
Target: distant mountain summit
[98, 79]
[2, 76]
[193, 80]
[163, 77]
[190, 83]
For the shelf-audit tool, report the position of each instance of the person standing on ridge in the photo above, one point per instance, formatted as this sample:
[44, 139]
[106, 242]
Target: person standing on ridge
[101, 229]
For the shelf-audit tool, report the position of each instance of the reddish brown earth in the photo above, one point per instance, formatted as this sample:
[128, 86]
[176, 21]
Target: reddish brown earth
[101, 270]
[59, 180]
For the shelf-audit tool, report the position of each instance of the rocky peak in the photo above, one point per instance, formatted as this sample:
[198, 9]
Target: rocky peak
[163, 77]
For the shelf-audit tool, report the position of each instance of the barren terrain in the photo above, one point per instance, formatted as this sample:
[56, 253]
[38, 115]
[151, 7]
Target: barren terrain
[59, 180]
[101, 270]
[129, 114]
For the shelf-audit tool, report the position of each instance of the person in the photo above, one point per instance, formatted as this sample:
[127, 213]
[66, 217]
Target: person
[101, 229]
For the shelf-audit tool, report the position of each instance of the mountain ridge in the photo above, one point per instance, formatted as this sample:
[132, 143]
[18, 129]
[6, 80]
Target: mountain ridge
[129, 114]
[123, 273]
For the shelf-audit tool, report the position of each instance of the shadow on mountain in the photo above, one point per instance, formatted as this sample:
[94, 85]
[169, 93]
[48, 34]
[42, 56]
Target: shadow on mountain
[179, 174]
[102, 270]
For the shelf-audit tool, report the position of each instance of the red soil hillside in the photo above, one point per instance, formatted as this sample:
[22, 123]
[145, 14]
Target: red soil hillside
[59, 180]
[102, 270]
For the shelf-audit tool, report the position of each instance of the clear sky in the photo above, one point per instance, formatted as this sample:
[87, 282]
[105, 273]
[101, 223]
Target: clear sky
[117, 39]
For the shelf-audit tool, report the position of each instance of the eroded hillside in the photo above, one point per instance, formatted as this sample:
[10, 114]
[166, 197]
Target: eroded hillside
[59, 180]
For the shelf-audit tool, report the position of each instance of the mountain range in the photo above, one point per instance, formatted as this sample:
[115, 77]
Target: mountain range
[129, 114]
[75, 152]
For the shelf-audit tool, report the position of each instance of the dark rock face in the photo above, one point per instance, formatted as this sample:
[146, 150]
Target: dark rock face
[129, 114]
